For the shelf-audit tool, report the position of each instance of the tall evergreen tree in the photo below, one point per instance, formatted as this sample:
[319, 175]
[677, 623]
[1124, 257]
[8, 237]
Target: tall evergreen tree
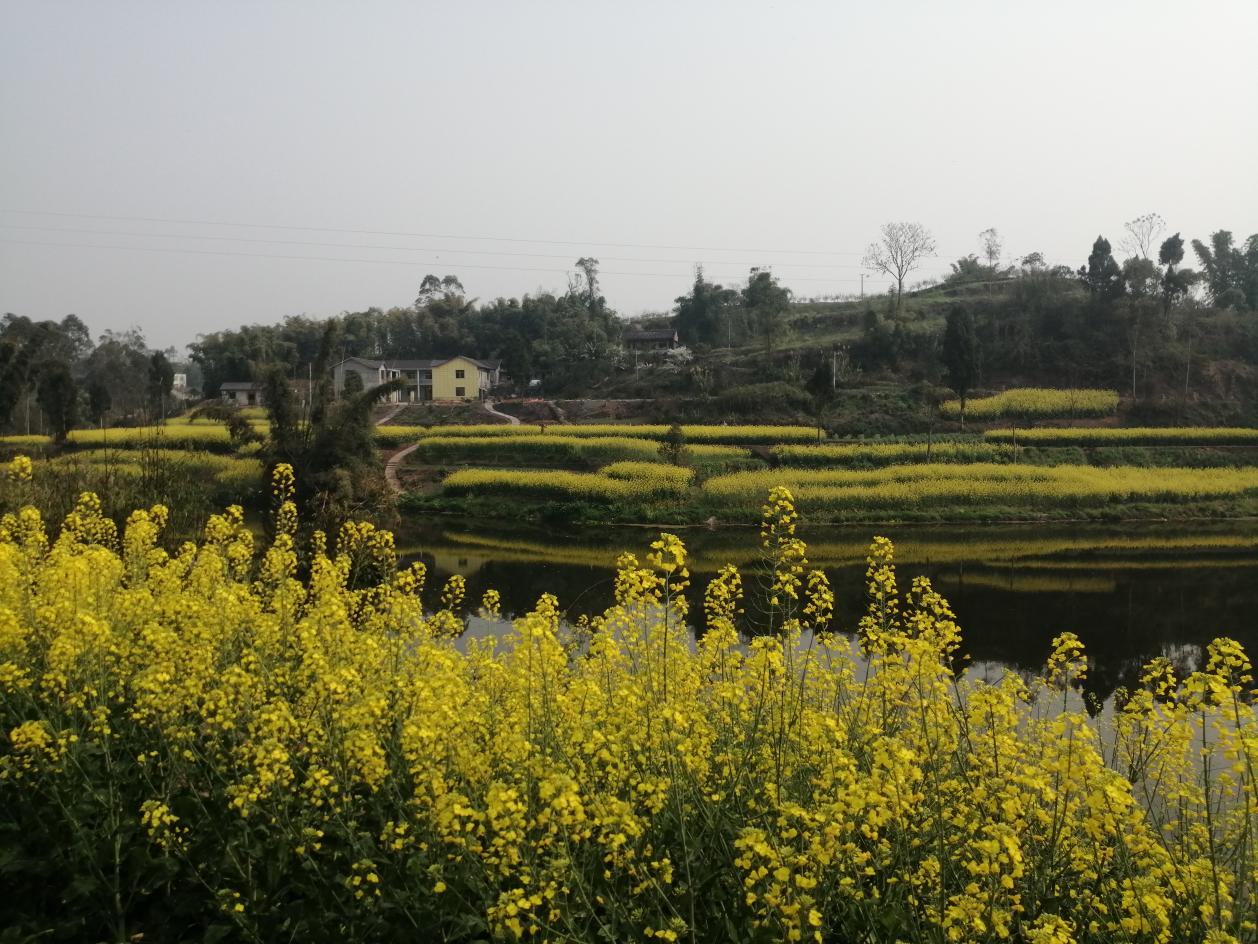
[1102, 275]
[961, 354]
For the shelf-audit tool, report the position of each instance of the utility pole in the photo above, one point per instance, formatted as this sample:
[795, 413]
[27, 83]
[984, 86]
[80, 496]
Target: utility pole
[862, 285]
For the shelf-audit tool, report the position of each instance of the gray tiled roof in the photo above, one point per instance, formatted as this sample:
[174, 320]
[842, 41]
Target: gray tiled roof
[650, 334]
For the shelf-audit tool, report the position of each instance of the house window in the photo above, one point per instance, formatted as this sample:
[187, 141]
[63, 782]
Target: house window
[460, 391]
[458, 375]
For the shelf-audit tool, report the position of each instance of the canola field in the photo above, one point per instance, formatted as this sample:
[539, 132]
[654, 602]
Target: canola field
[623, 481]
[979, 484]
[181, 433]
[867, 454]
[1035, 403]
[1127, 436]
[727, 435]
[558, 449]
[242, 742]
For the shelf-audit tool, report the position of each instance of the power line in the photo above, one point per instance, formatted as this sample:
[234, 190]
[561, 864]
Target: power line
[408, 235]
[371, 232]
[433, 249]
[397, 262]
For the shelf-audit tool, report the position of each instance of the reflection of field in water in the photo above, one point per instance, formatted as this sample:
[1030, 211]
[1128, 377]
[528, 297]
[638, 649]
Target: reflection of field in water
[711, 549]
[1131, 591]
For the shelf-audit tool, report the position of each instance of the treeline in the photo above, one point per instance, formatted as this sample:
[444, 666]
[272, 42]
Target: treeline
[1149, 326]
[1159, 323]
[543, 336]
[53, 377]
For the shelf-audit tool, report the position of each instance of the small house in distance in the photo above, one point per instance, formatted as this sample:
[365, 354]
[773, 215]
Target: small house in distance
[242, 393]
[449, 378]
[646, 340]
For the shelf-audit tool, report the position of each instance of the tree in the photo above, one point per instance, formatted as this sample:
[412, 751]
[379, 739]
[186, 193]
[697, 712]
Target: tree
[991, 242]
[120, 363]
[821, 386]
[673, 446]
[1176, 282]
[333, 455]
[1230, 274]
[1140, 277]
[961, 354]
[767, 301]
[1102, 276]
[58, 397]
[701, 313]
[966, 269]
[353, 384]
[587, 281]
[1142, 280]
[1142, 234]
[161, 378]
[901, 250]
[14, 365]
[99, 402]
[432, 288]
[28, 350]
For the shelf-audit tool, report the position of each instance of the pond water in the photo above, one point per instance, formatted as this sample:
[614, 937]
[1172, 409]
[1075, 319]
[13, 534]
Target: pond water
[1130, 591]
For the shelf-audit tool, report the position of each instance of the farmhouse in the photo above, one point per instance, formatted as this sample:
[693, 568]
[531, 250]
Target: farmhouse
[450, 378]
[650, 339]
[242, 393]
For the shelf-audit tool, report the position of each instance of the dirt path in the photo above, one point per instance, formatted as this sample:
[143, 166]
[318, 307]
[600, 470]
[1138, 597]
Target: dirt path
[391, 466]
[489, 408]
[393, 462]
[384, 418]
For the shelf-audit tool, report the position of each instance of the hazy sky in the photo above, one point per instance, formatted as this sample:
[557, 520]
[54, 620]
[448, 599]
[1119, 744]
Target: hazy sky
[650, 135]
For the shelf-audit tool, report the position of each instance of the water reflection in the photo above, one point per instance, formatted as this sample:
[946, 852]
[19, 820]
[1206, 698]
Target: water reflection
[1130, 592]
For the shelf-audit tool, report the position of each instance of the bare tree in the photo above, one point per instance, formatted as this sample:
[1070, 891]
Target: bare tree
[1142, 234]
[992, 246]
[901, 250]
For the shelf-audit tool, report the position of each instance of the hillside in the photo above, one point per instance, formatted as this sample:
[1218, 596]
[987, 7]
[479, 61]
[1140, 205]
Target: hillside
[1189, 363]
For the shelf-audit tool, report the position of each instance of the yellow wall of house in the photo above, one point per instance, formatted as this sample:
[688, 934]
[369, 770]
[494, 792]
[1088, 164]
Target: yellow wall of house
[445, 380]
